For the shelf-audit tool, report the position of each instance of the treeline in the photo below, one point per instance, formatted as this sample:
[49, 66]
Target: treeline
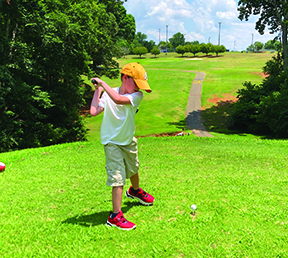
[269, 45]
[44, 48]
[203, 48]
[141, 46]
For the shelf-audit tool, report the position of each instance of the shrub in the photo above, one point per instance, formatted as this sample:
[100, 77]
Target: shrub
[264, 108]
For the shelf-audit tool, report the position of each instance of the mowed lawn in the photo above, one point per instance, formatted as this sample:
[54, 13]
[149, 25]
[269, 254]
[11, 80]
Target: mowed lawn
[54, 201]
[170, 77]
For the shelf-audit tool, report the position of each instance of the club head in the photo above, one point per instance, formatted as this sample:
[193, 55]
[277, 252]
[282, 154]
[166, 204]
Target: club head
[94, 81]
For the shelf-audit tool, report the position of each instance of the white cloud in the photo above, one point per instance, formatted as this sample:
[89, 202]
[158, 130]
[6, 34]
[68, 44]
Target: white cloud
[193, 36]
[226, 15]
[197, 19]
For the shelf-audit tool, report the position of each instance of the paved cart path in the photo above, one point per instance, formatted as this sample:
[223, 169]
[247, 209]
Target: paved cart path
[193, 118]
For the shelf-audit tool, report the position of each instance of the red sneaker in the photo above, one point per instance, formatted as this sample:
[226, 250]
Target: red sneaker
[142, 196]
[120, 222]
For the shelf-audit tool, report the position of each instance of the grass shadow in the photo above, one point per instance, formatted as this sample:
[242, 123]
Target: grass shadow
[98, 218]
[218, 119]
[180, 124]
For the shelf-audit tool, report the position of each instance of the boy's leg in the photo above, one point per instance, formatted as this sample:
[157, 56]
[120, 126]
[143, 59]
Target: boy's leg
[135, 181]
[135, 192]
[116, 218]
[117, 192]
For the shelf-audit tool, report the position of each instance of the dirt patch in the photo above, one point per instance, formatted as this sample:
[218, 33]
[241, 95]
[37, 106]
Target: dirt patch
[263, 75]
[220, 101]
[162, 135]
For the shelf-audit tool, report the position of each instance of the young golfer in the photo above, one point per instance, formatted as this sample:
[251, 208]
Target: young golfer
[117, 135]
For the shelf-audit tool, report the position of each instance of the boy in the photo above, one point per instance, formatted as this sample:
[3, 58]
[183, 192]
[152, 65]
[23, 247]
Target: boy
[117, 136]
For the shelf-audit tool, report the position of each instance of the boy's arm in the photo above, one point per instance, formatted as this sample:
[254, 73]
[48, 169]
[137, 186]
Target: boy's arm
[117, 98]
[95, 109]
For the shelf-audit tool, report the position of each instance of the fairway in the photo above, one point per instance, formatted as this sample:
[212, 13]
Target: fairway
[55, 202]
[170, 77]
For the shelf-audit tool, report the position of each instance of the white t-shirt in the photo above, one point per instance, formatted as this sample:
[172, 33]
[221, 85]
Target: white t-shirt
[118, 125]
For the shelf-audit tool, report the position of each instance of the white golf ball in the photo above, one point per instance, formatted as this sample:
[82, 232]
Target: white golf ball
[193, 207]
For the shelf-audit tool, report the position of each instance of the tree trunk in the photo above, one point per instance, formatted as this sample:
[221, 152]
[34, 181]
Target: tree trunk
[285, 46]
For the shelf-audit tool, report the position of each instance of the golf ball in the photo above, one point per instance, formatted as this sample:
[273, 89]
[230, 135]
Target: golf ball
[2, 166]
[193, 207]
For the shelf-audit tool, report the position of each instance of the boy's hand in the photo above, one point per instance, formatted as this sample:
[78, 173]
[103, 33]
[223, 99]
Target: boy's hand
[96, 82]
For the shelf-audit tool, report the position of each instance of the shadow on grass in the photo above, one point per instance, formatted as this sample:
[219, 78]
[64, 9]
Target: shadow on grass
[218, 119]
[180, 125]
[98, 218]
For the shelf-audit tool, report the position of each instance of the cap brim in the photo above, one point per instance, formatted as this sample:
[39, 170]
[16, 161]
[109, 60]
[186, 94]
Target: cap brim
[143, 85]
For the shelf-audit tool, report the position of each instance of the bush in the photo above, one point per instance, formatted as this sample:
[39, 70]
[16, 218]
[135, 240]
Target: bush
[264, 108]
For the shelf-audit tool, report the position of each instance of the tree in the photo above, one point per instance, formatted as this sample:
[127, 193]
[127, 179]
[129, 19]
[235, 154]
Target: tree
[272, 44]
[180, 50]
[219, 49]
[192, 43]
[177, 39]
[140, 38]
[140, 51]
[46, 46]
[125, 22]
[163, 45]
[273, 14]
[149, 45]
[124, 45]
[205, 48]
[155, 51]
[258, 45]
[251, 48]
[194, 49]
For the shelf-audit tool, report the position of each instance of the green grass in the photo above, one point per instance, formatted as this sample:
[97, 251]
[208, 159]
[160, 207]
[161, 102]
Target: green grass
[163, 110]
[54, 201]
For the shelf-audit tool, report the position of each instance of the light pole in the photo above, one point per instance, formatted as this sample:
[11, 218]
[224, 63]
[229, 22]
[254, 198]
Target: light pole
[166, 37]
[219, 33]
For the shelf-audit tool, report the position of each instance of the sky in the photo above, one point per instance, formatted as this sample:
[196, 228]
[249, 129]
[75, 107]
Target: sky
[197, 20]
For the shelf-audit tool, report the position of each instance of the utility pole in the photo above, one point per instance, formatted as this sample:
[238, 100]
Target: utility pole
[219, 33]
[166, 37]
[159, 35]
[209, 39]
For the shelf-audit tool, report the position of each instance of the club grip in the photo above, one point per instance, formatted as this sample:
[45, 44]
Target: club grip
[94, 81]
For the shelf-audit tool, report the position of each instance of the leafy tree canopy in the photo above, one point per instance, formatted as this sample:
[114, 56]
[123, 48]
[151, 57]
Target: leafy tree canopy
[140, 38]
[45, 47]
[155, 51]
[177, 39]
[181, 50]
[273, 14]
[140, 51]
[272, 44]
[258, 45]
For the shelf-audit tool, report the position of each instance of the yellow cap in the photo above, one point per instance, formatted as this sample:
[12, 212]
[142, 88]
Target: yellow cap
[138, 73]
